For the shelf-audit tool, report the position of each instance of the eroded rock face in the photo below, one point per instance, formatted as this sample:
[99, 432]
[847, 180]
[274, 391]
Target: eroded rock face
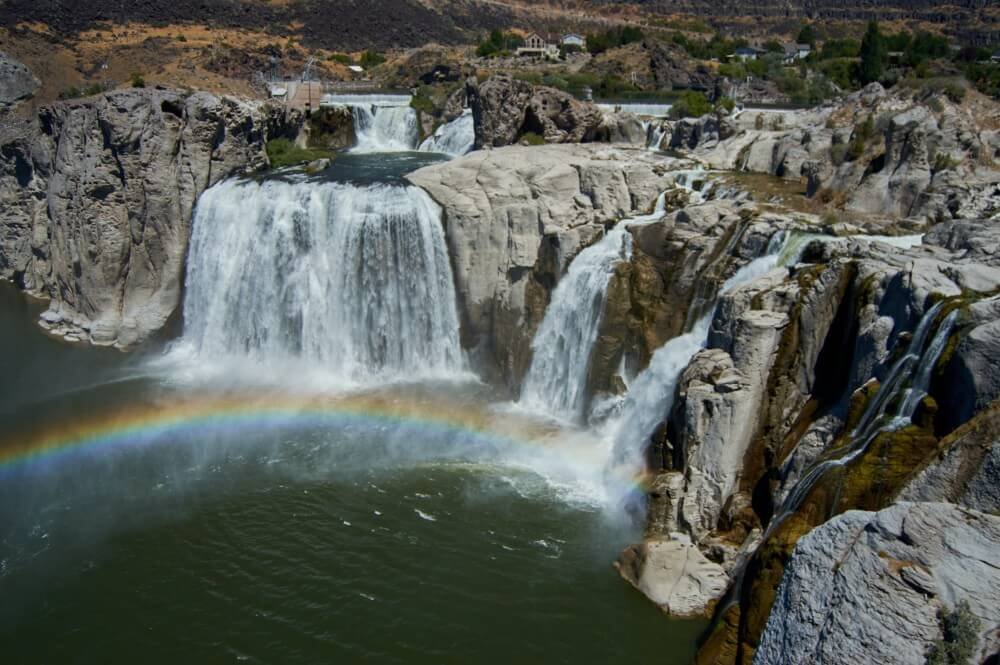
[674, 574]
[505, 108]
[515, 217]
[17, 83]
[923, 158]
[98, 202]
[866, 587]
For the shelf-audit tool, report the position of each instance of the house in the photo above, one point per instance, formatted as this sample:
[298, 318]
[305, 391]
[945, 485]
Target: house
[795, 52]
[537, 46]
[996, 56]
[745, 53]
[573, 39]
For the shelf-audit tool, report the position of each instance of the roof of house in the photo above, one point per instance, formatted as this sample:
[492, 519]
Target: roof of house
[573, 34]
[748, 49]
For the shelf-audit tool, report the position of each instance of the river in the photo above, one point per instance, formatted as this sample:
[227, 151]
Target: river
[281, 483]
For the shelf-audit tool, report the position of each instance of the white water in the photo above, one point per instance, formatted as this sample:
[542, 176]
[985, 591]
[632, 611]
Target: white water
[556, 382]
[454, 138]
[876, 418]
[651, 395]
[366, 100]
[379, 128]
[351, 281]
[644, 110]
[654, 136]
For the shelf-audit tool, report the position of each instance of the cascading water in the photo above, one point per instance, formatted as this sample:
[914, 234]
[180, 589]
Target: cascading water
[352, 280]
[876, 419]
[380, 128]
[654, 136]
[556, 381]
[454, 138]
[651, 394]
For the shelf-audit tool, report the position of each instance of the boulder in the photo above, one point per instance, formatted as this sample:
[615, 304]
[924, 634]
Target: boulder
[675, 575]
[505, 108]
[867, 587]
[17, 83]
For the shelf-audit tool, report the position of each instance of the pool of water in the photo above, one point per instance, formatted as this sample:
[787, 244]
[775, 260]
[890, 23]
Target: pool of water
[146, 516]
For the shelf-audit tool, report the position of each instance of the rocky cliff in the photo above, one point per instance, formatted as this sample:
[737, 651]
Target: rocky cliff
[98, 195]
[514, 217]
[506, 109]
[900, 154]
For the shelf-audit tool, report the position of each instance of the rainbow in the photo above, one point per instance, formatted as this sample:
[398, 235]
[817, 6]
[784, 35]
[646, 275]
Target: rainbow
[139, 425]
[147, 424]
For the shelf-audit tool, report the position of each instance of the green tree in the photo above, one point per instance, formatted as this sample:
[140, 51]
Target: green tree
[873, 54]
[807, 35]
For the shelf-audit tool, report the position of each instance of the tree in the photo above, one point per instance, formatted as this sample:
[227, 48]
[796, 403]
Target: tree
[873, 55]
[807, 35]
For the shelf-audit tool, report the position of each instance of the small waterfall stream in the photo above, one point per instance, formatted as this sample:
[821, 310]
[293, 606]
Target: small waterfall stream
[453, 138]
[354, 280]
[912, 371]
[556, 382]
[381, 128]
[651, 394]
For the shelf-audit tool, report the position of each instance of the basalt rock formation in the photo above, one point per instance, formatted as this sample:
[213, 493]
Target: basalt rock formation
[98, 196]
[514, 218]
[505, 109]
[17, 83]
[896, 154]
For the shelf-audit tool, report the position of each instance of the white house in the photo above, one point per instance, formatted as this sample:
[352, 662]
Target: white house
[573, 39]
[745, 53]
[535, 45]
[996, 56]
[795, 52]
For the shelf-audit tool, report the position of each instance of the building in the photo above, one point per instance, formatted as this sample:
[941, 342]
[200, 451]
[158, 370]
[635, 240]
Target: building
[795, 52]
[996, 56]
[537, 46]
[573, 39]
[745, 53]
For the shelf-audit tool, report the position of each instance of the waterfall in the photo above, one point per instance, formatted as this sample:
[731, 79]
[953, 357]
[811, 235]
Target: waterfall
[556, 382]
[654, 136]
[877, 417]
[453, 138]
[380, 128]
[651, 395]
[351, 280]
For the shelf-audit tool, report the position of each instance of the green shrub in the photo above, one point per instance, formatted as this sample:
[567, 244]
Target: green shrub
[138, 81]
[181, 38]
[691, 104]
[945, 162]
[422, 101]
[725, 104]
[532, 138]
[961, 636]
[342, 58]
[955, 92]
[371, 59]
[838, 153]
[284, 152]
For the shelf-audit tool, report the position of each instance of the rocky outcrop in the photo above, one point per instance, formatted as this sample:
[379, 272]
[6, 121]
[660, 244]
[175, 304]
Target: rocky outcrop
[17, 83]
[98, 199]
[898, 154]
[514, 217]
[674, 574]
[868, 587]
[504, 109]
[674, 70]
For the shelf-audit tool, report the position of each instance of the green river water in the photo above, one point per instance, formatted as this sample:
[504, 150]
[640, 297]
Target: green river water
[294, 541]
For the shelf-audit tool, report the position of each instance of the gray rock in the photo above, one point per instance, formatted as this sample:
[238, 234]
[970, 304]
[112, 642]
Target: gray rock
[674, 574]
[514, 217]
[97, 204]
[17, 83]
[867, 587]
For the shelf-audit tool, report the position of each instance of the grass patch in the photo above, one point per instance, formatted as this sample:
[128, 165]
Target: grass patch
[283, 152]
